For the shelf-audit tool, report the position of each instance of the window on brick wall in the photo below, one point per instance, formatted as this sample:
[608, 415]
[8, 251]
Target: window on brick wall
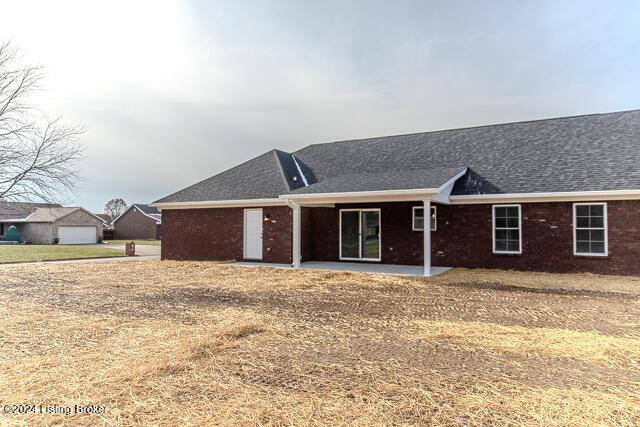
[590, 229]
[418, 218]
[507, 229]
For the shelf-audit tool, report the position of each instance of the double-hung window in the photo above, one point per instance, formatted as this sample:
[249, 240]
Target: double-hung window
[418, 218]
[507, 229]
[590, 229]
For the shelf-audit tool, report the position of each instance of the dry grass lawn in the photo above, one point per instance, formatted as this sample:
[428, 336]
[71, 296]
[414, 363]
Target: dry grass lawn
[168, 343]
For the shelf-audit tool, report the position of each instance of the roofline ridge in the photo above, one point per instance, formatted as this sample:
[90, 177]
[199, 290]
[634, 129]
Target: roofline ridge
[470, 127]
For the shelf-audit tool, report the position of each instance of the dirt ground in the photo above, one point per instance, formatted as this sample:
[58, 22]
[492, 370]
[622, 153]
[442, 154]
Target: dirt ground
[170, 343]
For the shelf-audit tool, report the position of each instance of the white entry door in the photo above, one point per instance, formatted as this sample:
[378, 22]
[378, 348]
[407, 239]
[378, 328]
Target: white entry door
[253, 233]
[77, 235]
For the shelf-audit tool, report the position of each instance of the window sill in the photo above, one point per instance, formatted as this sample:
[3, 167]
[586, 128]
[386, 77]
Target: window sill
[508, 254]
[583, 256]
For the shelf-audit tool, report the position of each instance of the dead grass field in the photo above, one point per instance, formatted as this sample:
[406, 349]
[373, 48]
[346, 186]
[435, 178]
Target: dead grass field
[167, 343]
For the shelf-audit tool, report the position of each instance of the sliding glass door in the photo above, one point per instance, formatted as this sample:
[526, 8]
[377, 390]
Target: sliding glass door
[360, 234]
[349, 234]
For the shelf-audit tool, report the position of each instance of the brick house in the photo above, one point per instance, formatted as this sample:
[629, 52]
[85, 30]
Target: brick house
[138, 221]
[560, 195]
[40, 223]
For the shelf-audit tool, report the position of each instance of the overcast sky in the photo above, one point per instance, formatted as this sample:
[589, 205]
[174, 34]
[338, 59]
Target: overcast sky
[172, 92]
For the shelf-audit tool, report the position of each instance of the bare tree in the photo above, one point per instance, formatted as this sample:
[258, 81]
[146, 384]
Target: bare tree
[115, 207]
[38, 156]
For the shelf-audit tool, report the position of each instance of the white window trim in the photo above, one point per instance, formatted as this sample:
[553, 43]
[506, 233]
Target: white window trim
[413, 219]
[360, 258]
[493, 229]
[606, 230]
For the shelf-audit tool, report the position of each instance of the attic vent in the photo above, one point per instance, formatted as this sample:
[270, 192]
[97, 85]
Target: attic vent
[295, 179]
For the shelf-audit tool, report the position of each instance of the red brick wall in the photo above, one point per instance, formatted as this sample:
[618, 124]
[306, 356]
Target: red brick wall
[305, 233]
[135, 225]
[464, 238]
[547, 239]
[217, 234]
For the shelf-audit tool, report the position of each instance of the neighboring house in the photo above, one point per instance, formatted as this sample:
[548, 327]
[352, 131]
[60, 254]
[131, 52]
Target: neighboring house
[557, 195]
[138, 221]
[48, 224]
[18, 211]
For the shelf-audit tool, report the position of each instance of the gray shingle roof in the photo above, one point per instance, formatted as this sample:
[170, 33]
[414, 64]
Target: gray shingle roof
[581, 153]
[266, 176]
[380, 181]
[104, 217]
[21, 210]
[50, 214]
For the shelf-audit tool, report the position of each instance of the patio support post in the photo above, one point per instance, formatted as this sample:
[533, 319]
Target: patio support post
[427, 237]
[296, 236]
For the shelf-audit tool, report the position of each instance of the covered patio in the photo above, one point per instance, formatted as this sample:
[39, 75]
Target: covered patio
[375, 227]
[356, 267]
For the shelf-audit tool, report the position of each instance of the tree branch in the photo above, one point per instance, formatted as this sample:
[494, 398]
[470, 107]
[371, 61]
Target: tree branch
[39, 157]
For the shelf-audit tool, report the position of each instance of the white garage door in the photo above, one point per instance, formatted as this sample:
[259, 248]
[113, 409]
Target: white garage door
[76, 235]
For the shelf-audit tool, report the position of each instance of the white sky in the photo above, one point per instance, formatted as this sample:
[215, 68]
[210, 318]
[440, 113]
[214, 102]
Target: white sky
[172, 92]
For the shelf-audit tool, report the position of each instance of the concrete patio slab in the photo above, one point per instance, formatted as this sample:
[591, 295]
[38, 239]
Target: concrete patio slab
[400, 270]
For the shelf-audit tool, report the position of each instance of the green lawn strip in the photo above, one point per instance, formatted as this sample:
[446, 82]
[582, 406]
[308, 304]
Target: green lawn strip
[137, 242]
[35, 253]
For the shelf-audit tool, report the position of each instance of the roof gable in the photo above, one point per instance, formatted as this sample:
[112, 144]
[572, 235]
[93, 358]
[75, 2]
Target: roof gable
[150, 212]
[49, 214]
[52, 214]
[147, 209]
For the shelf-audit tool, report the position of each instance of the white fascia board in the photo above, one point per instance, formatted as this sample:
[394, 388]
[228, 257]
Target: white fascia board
[379, 195]
[318, 205]
[363, 196]
[568, 196]
[219, 204]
